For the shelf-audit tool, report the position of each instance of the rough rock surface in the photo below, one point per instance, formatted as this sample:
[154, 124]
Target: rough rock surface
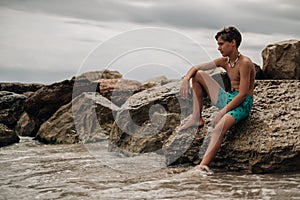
[89, 81]
[87, 119]
[259, 74]
[154, 82]
[11, 107]
[7, 136]
[267, 141]
[282, 60]
[148, 118]
[118, 90]
[27, 125]
[20, 88]
[47, 100]
[98, 75]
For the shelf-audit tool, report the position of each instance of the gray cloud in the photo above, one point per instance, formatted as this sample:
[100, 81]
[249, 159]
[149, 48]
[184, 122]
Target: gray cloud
[266, 16]
[48, 35]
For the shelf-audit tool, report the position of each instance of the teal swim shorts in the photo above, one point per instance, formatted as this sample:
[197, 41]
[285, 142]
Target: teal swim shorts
[238, 113]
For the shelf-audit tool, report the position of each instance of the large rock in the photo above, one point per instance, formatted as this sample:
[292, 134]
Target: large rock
[20, 88]
[118, 90]
[98, 75]
[60, 128]
[47, 100]
[154, 82]
[88, 118]
[267, 141]
[7, 136]
[42, 104]
[259, 74]
[90, 81]
[148, 118]
[27, 125]
[282, 60]
[11, 107]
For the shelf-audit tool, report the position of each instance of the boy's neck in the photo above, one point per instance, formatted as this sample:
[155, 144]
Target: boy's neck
[234, 56]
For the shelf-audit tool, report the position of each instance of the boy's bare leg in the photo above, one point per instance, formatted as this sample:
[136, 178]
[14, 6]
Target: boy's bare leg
[202, 83]
[216, 139]
[196, 119]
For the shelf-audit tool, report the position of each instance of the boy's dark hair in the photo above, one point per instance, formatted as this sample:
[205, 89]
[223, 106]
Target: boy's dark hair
[230, 33]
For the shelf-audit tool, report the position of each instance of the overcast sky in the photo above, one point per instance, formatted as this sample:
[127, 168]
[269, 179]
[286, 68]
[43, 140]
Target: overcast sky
[48, 41]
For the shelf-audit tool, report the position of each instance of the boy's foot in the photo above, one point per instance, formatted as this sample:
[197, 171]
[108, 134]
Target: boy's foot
[201, 170]
[192, 123]
[204, 169]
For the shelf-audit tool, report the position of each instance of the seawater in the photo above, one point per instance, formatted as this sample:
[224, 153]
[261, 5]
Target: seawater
[30, 170]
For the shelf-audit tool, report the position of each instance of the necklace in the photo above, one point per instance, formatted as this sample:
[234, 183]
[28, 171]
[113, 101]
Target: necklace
[235, 61]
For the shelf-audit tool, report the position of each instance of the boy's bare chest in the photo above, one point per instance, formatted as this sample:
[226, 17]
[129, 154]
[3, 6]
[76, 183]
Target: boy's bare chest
[234, 73]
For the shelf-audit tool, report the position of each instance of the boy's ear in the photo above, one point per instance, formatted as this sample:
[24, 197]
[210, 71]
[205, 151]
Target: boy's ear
[233, 42]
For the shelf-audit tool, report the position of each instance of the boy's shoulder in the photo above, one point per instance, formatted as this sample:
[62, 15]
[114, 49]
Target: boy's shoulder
[221, 62]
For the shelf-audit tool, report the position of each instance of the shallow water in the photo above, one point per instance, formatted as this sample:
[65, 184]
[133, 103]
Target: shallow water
[30, 170]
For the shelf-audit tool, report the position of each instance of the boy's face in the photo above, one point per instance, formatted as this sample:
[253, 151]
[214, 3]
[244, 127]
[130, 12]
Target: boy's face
[225, 47]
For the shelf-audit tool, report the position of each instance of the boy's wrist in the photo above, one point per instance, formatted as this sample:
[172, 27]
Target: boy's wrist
[186, 78]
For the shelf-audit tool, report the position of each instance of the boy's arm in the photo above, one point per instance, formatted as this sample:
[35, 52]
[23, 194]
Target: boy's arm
[219, 62]
[185, 85]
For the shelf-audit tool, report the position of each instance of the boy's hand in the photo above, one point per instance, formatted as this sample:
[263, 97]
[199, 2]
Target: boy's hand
[184, 89]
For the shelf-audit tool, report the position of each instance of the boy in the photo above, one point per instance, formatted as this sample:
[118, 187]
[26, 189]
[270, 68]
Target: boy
[234, 105]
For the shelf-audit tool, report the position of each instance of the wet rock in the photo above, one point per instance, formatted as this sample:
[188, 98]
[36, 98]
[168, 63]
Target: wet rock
[282, 60]
[11, 107]
[88, 118]
[183, 147]
[27, 125]
[7, 136]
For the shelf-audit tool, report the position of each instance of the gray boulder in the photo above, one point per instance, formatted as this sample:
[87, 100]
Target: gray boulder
[46, 101]
[118, 90]
[148, 118]
[20, 88]
[88, 118]
[7, 136]
[11, 107]
[90, 81]
[27, 125]
[282, 60]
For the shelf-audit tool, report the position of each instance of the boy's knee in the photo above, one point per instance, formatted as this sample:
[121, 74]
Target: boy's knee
[201, 75]
[201, 72]
[218, 129]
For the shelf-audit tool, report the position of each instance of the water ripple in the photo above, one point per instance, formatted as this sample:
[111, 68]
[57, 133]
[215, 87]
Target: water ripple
[30, 170]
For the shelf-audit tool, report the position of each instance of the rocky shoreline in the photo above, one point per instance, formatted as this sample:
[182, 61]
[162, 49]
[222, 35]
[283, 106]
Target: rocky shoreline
[142, 117]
